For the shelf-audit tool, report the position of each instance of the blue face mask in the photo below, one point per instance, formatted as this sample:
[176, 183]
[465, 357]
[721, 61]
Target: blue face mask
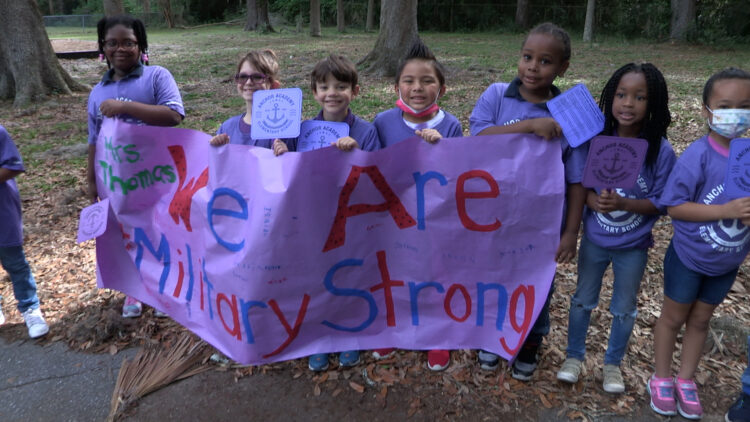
[729, 122]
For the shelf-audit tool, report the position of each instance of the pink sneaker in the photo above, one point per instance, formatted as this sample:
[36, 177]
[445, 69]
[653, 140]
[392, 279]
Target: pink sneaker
[380, 354]
[132, 308]
[438, 360]
[688, 403]
[662, 395]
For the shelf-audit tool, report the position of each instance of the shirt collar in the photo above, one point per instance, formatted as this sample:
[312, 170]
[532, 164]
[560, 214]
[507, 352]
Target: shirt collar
[135, 73]
[349, 119]
[514, 91]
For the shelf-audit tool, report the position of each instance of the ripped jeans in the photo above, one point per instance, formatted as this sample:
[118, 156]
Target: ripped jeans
[628, 266]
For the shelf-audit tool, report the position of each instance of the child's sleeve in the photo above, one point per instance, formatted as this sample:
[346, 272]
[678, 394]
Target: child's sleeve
[10, 158]
[484, 114]
[370, 140]
[93, 119]
[166, 91]
[683, 182]
[454, 129]
[574, 161]
[664, 166]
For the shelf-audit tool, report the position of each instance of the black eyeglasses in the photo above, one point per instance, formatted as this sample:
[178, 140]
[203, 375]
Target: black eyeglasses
[255, 78]
[126, 44]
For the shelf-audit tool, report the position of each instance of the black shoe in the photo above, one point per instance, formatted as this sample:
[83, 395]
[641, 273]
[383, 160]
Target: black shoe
[740, 410]
[525, 364]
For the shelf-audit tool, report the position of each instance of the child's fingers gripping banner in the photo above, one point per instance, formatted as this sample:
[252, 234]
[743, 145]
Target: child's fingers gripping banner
[417, 246]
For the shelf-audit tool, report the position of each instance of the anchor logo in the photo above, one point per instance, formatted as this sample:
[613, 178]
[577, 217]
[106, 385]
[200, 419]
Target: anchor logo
[732, 230]
[271, 121]
[614, 169]
[322, 141]
[729, 234]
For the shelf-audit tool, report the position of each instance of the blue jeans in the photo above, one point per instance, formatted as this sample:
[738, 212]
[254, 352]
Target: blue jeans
[746, 374]
[24, 287]
[628, 266]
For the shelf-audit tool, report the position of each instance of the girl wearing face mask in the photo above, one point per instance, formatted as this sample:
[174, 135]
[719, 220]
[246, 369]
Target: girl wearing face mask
[711, 239]
[420, 82]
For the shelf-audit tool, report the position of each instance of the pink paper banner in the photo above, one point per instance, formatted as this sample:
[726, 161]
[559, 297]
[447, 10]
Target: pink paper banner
[416, 246]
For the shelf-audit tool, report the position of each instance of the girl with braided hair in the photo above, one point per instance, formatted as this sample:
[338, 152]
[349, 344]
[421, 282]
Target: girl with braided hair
[617, 223]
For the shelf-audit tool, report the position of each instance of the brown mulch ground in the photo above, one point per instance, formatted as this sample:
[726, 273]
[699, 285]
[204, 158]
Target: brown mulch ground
[88, 319]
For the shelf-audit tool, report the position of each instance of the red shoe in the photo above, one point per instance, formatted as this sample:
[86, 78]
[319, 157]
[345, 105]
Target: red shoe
[380, 354]
[438, 360]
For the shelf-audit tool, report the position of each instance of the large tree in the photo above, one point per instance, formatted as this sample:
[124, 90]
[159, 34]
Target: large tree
[113, 7]
[257, 16]
[522, 13]
[398, 32]
[340, 24]
[370, 24]
[314, 18]
[588, 27]
[29, 69]
[683, 19]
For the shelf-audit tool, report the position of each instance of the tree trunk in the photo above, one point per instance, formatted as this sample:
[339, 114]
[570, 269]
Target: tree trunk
[29, 70]
[314, 18]
[264, 22]
[113, 7]
[398, 32]
[252, 16]
[340, 24]
[51, 5]
[522, 13]
[166, 10]
[588, 28]
[370, 25]
[146, 5]
[683, 19]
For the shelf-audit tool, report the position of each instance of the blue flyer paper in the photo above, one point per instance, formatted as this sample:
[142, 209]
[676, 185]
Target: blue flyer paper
[316, 134]
[737, 180]
[277, 113]
[578, 115]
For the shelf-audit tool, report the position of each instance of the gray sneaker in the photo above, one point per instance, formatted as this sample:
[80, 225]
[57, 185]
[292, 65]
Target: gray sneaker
[570, 370]
[613, 382]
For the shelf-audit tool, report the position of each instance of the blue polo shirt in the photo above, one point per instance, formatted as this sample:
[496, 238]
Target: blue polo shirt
[11, 228]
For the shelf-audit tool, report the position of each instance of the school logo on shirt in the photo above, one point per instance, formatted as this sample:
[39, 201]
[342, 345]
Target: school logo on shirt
[622, 221]
[123, 117]
[728, 235]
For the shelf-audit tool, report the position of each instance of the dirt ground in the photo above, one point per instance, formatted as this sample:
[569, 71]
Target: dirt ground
[88, 319]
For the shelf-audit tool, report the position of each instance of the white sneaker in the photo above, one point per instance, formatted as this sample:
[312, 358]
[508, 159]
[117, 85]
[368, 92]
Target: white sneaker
[35, 323]
[2, 317]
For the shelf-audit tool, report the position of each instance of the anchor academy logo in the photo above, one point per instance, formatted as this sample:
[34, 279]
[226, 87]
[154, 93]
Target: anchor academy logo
[618, 161]
[276, 113]
[723, 235]
[622, 221]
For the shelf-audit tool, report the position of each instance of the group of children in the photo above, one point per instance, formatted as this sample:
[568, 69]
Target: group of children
[699, 267]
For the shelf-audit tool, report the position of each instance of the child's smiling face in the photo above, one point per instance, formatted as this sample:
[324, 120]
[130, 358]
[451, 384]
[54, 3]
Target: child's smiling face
[540, 63]
[419, 84]
[121, 48]
[630, 104]
[334, 97]
[246, 87]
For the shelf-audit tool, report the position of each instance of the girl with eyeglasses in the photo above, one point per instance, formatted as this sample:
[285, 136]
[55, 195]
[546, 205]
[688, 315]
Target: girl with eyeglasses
[258, 70]
[130, 91]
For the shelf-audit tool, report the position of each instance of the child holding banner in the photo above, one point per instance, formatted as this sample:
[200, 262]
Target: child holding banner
[12, 257]
[617, 223]
[334, 85]
[711, 239]
[520, 107]
[259, 69]
[420, 81]
[130, 91]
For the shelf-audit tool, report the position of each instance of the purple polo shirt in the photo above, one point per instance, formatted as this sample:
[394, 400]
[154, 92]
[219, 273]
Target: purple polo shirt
[501, 104]
[360, 130]
[239, 134]
[708, 247]
[145, 84]
[11, 228]
[392, 129]
[627, 230]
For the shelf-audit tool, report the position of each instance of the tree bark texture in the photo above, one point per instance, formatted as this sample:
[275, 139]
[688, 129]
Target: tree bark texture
[264, 22]
[340, 23]
[29, 70]
[113, 7]
[166, 10]
[398, 32]
[146, 5]
[252, 16]
[588, 27]
[683, 19]
[522, 13]
[370, 24]
[314, 18]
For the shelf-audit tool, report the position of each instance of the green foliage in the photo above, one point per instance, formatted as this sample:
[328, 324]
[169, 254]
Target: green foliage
[355, 11]
[635, 18]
